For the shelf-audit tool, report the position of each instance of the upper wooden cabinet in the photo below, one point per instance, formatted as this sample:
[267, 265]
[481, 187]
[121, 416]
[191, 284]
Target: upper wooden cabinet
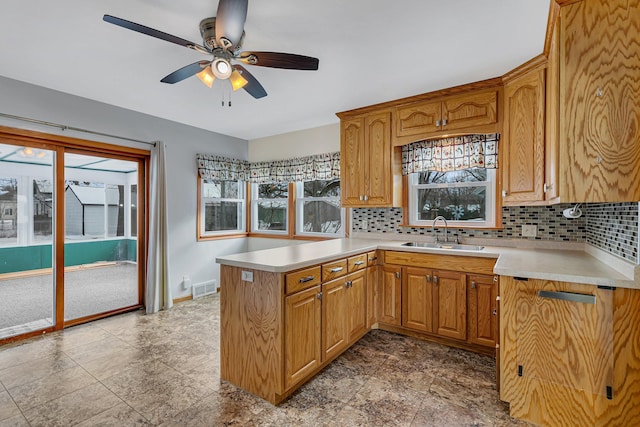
[524, 139]
[600, 101]
[422, 120]
[366, 169]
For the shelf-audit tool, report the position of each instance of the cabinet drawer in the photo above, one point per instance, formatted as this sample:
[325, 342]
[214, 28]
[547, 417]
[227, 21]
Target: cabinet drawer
[357, 262]
[334, 269]
[443, 262]
[302, 279]
[372, 258]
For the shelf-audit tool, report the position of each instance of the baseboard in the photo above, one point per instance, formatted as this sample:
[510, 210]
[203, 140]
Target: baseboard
[182, 299]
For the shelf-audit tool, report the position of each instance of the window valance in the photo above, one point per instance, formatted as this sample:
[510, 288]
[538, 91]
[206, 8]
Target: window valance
[222, 168]
[310, 168]
[450, 154]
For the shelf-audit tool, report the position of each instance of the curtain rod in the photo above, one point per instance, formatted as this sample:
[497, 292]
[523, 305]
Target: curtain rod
[65, 127]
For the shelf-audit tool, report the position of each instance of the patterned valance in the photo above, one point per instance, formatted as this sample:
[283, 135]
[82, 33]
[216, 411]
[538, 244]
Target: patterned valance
[310, 168]
[222, 168]
[450, 154]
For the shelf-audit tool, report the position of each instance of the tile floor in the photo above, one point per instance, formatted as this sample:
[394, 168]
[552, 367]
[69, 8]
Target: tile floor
[163, 369]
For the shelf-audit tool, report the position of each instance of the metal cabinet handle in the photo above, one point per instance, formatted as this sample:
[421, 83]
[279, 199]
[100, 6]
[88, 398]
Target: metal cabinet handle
[336, 269]
[428, 277]
[435, 279]
[495, 312]
[319, 295]
[348, 284]
[366, 198]
[397, 274]
[444, 122]
[504, 193]
[358, 263]
[375, 258]
[361, 198]
[438, 123]
[568, 296]
[306, 279]
[473, 285]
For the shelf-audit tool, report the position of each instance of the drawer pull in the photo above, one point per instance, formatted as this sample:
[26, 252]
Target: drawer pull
[306, 279]
[358, 263]
[568, 296]
[336, 269]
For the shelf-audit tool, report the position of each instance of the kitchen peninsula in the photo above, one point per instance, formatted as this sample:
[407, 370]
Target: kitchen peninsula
[288, 312]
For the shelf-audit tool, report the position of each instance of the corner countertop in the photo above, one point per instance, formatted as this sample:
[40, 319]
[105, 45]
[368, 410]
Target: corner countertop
[579, 266]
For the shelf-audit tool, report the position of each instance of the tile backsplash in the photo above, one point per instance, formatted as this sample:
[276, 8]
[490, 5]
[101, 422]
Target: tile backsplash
[612, 227]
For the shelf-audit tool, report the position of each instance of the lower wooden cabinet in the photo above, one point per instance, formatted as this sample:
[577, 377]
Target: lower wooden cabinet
[389, 288]
[569, 352]
[450, 304]
[302, 340]
[335, 335]
[372, 295]
[356, 305]
[435, 301]
[482, 291]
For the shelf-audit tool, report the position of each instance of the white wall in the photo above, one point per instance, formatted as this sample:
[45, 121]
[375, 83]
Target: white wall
[324, 139]
[188, 256]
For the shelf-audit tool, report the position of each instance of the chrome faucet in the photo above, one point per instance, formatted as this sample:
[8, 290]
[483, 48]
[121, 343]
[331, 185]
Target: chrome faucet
[433, 227]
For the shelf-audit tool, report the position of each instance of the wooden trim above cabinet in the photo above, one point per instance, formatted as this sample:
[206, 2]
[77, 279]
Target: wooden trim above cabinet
[493, 83]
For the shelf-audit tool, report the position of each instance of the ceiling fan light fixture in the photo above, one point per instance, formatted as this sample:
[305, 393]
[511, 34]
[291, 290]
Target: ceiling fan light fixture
[221, 68]
[206, 76]
[237, 81]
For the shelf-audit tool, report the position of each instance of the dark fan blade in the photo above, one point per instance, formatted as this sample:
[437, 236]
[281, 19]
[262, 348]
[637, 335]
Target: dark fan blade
[230, 20]
[254, 87]
[185, 72]
[152, 32]
[279, 60]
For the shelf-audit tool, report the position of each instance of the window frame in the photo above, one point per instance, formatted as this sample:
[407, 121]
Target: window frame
[222, 234]
[252, 224]
[299, 213]
[492, 217]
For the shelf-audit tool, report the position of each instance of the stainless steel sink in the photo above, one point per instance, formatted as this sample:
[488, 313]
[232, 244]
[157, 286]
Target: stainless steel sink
[438, 245]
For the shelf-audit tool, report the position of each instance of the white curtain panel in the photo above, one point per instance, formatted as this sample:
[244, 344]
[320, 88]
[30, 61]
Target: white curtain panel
[158, 289]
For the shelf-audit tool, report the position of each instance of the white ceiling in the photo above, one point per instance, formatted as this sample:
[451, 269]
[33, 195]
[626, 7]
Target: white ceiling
[370, 51]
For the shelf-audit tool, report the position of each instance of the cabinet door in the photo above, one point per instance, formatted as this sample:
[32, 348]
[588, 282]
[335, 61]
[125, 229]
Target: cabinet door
[483, 291]
[524, 171]
[417, 299]
[600, 101]
[335, 336]
[357, 305]
[352, 161]
[377, 170]
[302, 337]
[372, 296]
[470, 110]
[450, 304]
[389, 295]
[418, 119]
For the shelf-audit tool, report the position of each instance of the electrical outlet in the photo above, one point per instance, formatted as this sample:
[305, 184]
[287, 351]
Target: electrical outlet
[529, 230]
[364, 224]
[247, 276]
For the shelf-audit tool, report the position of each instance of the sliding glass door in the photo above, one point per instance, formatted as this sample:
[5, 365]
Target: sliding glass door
[100, 251]
[27, 294]
[72, 232]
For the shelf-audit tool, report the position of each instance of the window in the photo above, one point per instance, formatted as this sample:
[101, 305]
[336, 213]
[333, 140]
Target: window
[222, 207]
[466, 198]
[270, 208]
[318, 210]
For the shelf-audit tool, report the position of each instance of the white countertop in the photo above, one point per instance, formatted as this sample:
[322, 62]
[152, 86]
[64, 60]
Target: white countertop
[579, 266]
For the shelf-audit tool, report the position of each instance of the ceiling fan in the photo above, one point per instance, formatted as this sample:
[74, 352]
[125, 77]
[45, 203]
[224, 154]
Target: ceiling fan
[222, 38]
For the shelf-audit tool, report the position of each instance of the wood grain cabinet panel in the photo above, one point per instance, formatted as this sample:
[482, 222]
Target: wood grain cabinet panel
[468, 111]
[450, 304]
[600, 101]
[482, 291]
[372, 295]
[356, 305]
[524, 139]
[303, 353]
[389, 291]
[418, 119]
[335, 333]
[366, 171]
[417, 299]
